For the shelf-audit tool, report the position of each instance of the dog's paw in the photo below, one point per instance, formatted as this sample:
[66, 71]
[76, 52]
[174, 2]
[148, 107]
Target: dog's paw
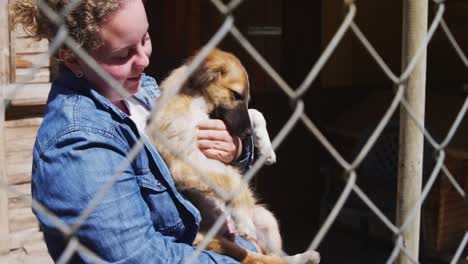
[271, 156]
[308, 257]
[266, 149]
[246, 233]
[244, 225]
[261, 138]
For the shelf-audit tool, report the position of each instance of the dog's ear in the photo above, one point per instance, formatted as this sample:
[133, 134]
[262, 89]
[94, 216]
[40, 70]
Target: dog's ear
[206, 74]
[210, 70]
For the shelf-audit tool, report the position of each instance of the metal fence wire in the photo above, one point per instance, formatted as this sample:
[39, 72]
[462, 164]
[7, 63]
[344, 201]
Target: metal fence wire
[348, 26]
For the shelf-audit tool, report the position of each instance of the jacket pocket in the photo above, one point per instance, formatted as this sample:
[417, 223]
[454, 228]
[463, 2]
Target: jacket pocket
[147, 180]
[162, 206]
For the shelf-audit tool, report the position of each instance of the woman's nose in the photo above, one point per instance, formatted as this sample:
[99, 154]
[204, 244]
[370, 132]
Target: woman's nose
[142, 59]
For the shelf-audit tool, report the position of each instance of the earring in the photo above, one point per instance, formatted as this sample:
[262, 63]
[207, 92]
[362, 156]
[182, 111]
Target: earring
[79, 74]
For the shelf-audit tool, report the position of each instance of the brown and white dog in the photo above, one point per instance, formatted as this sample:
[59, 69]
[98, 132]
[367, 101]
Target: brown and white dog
[219, 88]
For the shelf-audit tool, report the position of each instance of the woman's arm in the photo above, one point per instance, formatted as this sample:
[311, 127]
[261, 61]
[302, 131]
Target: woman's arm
[215, 141]
[67, 176]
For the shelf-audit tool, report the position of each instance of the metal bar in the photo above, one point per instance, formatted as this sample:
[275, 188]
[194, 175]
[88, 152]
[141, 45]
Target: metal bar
[415, 15]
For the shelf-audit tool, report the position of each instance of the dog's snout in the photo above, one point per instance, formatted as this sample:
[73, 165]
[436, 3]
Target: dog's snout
[236, 119]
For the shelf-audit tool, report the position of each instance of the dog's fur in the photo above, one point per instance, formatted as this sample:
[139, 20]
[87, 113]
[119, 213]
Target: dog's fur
[219, 88]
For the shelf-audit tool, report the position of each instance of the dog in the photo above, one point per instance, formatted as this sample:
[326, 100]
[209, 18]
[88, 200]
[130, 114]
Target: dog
[219, 88]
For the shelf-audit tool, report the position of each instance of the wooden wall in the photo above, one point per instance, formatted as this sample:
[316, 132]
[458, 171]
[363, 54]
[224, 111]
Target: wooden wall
[24, 94]
[446, 71]
[380, 21]
[351, 65]
[28, 53]
[175, 33]
[4, 79]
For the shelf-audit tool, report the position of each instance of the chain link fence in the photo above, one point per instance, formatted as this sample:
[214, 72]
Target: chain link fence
[295, 94]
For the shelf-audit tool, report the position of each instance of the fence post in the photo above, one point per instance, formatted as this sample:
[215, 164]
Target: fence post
[4, 79]
[410, 164]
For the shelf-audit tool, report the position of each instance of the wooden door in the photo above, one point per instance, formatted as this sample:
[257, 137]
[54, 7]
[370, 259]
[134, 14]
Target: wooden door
[179, 27]
[260, 21]
[175, 33]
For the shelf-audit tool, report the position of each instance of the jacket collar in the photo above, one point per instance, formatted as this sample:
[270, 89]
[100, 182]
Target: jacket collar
[68, 79]
[148, 91]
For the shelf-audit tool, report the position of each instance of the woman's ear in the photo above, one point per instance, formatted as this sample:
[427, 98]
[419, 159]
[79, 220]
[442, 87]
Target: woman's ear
[71, 61]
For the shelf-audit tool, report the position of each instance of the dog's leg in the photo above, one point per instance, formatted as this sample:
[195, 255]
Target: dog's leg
[228, 248]
[308, 257]
[245, 227]
[225, 247]
[261, 138]
[211, 208]
[268, 234]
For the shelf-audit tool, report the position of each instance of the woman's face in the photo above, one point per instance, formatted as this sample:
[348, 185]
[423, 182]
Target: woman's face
[125, 51]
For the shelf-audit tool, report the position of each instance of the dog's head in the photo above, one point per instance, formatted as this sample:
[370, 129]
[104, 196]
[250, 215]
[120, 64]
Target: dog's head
[224, 83]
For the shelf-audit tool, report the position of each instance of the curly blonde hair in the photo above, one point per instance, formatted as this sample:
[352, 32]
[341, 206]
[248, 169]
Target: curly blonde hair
[83, 22]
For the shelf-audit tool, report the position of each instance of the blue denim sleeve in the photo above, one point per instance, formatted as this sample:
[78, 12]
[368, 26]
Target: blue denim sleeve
[68, 176]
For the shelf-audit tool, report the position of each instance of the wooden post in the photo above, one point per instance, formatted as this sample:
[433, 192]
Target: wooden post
[4, 80]
[415, 15]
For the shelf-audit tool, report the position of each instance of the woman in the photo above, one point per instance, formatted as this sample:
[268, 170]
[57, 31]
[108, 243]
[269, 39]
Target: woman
[89, 129]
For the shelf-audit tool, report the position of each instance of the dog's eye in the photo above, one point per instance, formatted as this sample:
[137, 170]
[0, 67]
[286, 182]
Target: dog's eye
[237, 96]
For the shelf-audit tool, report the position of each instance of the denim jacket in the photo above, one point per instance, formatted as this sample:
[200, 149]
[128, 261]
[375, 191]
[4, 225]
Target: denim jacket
[82, 141]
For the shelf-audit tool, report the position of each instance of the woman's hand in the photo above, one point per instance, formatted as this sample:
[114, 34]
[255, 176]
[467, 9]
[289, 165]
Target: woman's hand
[216, 143]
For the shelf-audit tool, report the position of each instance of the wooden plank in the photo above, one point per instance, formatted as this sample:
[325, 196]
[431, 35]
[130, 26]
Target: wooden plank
[18, 190]
[39, 76]
[20, 238]
[19, 156]
[4, 80]
[43, 258]
[20, 171]
[19, 196]
[23, 111]
[23, 144]
[20, 144]
[453, 210]
[20, 132]
[19, 178]
[19, 153]
[25, 61]
[30, 45]
[19, 256]
[12, 57]
[14, 257]
[25, 122]
[28, 94]
[21, 219]
[458, 153]
[19, 202]
[35, 247]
